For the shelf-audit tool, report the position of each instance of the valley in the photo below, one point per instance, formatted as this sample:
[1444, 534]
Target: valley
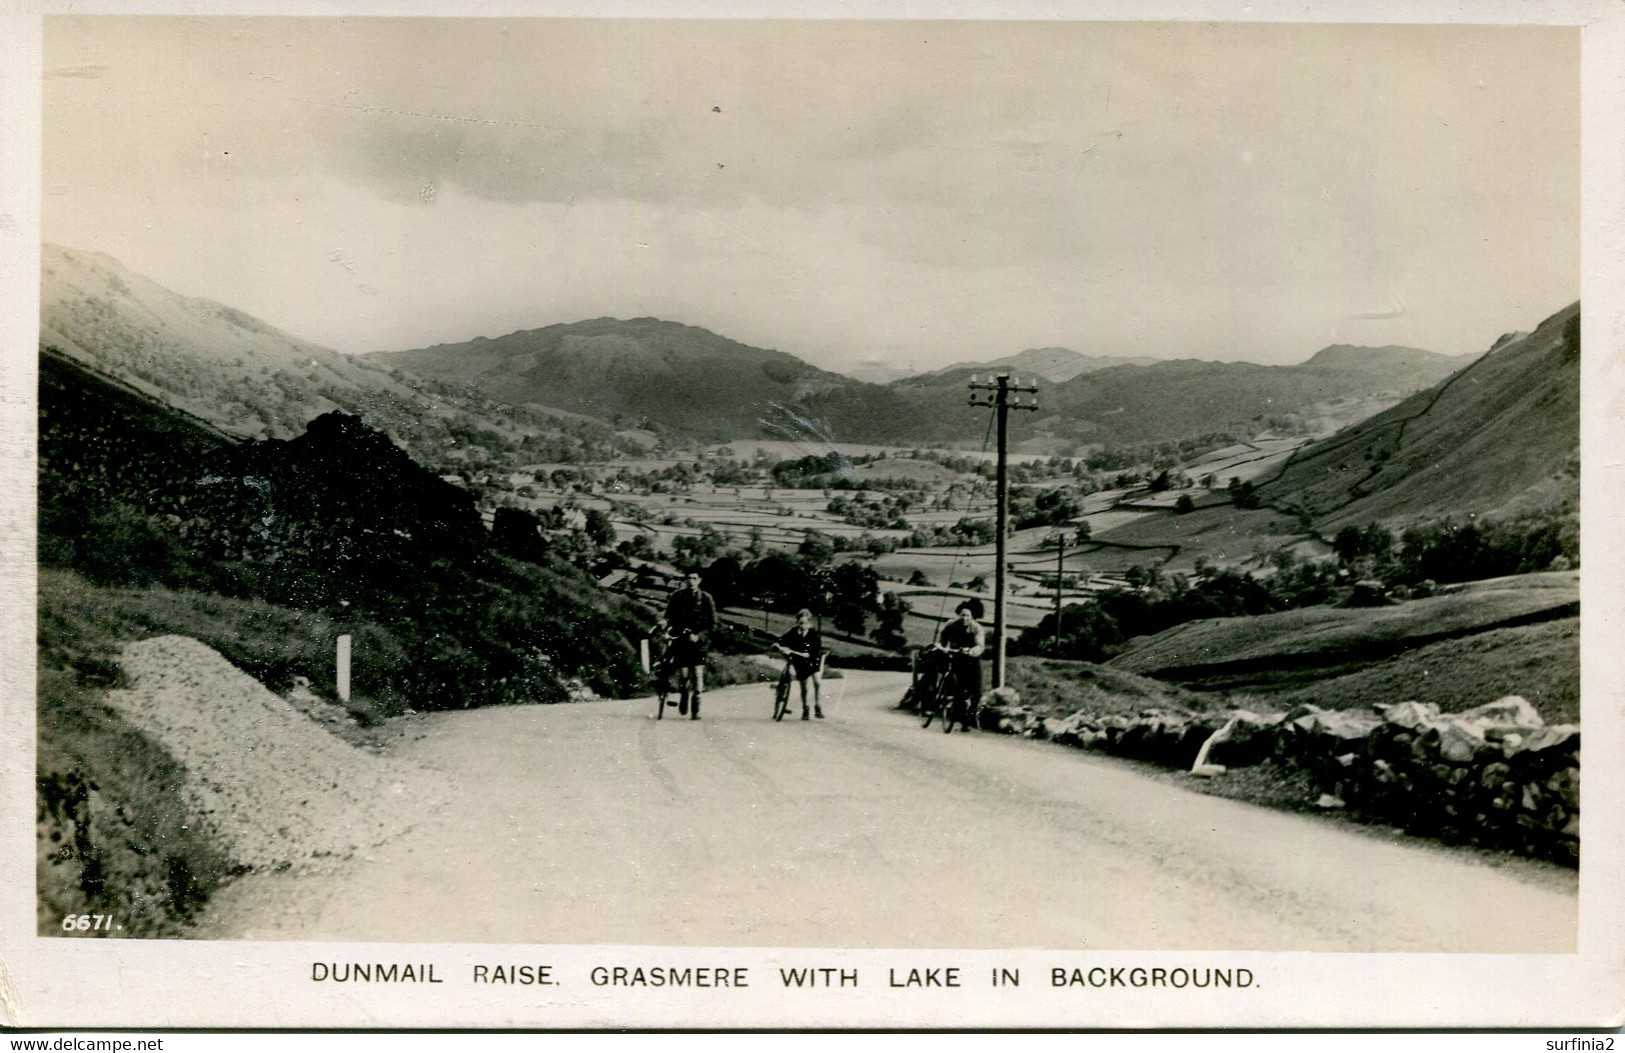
[1176, 554]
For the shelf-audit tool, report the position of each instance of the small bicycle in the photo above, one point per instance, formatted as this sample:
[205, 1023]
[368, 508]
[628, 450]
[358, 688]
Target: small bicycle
[787, 681]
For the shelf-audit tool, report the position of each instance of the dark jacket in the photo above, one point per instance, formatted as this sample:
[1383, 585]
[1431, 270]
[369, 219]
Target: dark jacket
[807, 643]
[691, 612]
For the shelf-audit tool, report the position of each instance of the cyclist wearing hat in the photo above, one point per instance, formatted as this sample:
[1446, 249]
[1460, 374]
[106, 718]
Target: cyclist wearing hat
[964, 639]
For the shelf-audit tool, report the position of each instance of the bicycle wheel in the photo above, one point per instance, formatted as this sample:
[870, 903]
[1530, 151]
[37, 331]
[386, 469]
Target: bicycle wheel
[931, 704]
[781, 698]
[950, 713]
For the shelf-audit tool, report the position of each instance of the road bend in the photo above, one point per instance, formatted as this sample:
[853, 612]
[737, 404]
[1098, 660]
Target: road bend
[596, 824]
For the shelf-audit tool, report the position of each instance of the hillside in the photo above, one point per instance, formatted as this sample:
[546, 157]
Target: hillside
[1298, 648]
[648, 370]
[337, 522]
[1499, 438]
[1176, 399]
[252, 380]
[1401, 366]
[698, 383]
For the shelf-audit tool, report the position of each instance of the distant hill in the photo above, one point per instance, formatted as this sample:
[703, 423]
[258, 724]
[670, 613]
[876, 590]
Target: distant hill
[696, 382]
[648, 370]
[1397, 365]
[560, 393]
[1180, 398]
[1054, 364]
[252, 380]
[1497, 438]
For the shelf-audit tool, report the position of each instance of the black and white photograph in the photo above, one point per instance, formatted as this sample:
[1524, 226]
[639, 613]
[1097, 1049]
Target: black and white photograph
[1035, 517]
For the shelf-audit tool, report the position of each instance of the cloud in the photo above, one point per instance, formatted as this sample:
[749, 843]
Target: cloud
[947, 190]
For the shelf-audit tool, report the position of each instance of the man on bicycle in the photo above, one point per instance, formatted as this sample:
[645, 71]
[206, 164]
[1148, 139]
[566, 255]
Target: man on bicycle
[802, 646]
[964, 639]
[691, 615]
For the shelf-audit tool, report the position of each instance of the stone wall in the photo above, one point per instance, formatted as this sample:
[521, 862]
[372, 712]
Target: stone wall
[1495, 776]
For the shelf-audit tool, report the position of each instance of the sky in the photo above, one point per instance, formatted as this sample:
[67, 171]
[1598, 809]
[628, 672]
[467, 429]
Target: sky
[920, 193]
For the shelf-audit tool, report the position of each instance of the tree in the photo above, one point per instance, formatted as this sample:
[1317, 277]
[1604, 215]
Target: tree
[852, 588]
[889, 622]
[816, 547]
[723, 580]
[1184, 504]
[600, 529]
[1241, 493]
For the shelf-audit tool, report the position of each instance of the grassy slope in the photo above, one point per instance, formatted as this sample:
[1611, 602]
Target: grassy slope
[1336, 631]
[1500, 437]
[1453, 650]
[1540, 662]
[145, 859]
[1061, 688]
[1223, 534]
[151, 866]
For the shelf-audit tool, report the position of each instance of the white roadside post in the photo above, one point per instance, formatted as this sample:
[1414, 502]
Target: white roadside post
[344, 668]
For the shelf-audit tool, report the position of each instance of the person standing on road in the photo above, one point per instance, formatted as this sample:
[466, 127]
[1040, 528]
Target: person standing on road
[805, 650]
[964, 639]
[691, 615]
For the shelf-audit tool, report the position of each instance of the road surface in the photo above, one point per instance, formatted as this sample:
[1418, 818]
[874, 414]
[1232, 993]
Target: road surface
[594, 823]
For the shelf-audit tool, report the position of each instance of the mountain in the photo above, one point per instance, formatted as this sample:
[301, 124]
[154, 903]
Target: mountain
[649, 370]
[1054, 364]
[1181, 398]
[195, 354]
[695, 382]
[252, 380]
[1399, 366]
[1498, 438]
[558, 393]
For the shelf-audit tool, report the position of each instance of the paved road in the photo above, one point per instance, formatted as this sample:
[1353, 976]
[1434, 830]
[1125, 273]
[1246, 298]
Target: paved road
[597, 824]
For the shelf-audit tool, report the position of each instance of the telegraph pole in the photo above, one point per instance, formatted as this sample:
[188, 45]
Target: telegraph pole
[1003, 395]
[1060, 570]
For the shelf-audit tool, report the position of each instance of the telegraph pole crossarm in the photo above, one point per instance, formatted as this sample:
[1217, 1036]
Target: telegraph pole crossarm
[1003, 393]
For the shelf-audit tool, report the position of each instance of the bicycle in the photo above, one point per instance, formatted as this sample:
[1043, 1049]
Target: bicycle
[786, 685]
[942, 697]
[686, 695]
[781, 693]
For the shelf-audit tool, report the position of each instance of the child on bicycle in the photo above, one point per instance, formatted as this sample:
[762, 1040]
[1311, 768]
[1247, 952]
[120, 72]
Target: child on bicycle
[803, 647]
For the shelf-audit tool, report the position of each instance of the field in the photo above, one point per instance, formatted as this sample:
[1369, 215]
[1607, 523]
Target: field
[1333, 656]
[667, 498]
[1385, 650]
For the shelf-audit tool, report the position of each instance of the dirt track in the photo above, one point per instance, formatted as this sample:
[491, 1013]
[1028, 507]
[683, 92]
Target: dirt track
[594, 823]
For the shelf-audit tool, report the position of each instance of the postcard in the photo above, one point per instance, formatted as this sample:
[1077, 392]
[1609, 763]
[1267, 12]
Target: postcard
[549, 516]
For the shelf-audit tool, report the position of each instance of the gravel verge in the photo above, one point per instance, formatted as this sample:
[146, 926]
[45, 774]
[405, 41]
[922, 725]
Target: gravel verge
[277, 790]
